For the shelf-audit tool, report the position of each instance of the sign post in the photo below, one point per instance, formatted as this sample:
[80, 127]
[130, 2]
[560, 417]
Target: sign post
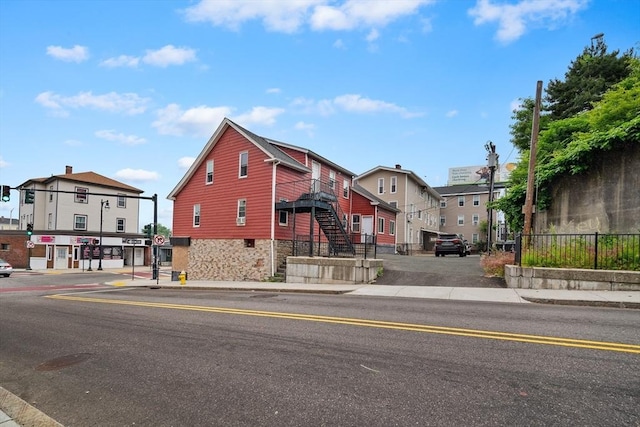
[133, 242]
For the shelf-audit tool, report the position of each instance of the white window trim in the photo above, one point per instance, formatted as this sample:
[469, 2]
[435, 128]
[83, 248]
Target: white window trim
[241, 219]
[380, 185]
[380, 225]
[124, 225]
[75, 223]
[208, 176]
[196, 215]
[393, 184]
[392, 227]
[240, 164]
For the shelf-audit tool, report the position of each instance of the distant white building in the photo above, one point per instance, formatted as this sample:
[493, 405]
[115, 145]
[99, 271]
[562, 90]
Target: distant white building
[65, 217]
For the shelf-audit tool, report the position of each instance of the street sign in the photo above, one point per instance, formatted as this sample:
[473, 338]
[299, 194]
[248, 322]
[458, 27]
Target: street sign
[30, 244]
[158, 239]
[134, 241]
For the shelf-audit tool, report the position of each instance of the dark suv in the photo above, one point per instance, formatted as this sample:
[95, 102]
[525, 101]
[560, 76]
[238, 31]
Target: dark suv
[450, 244]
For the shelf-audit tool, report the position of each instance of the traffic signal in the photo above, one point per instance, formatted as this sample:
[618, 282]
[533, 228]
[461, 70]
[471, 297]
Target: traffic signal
[29, 196]
[6, 193]
[29, 229]
[148, 230]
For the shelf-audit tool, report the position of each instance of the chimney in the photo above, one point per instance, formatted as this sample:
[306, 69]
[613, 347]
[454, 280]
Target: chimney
[68, 170]
[398, 166]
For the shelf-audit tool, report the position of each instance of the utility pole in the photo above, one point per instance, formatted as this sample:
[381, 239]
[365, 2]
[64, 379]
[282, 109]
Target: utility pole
[492, 163]
[535, 128]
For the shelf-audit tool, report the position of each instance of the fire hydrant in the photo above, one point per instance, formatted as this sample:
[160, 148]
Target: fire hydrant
[182, 277]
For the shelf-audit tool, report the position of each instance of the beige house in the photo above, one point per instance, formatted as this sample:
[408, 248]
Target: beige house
[76, 217]
[419, 205]
[464, 210]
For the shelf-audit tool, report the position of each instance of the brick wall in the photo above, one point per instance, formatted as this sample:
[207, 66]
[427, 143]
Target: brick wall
[13, 248]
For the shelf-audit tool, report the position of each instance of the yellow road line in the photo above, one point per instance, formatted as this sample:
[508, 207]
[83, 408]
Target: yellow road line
[505, 336]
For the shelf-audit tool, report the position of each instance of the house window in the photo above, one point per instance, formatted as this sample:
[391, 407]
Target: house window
[81, 195]
[380, 185]
[380, 225]
[460, 219]
[242, 212]
[283, 217]
[392, 227]
[50, 221]
[394, 184]
[79, 222]
[209, 177]
[345, 189]
[394, 204]
[443, 221]
[345, 220]
[50, 193]
[196, 215]
[476, 200]
[443, 204]
[122, 201]
[244, 164]
[120, 225]
[474, 238]
[355, 223]
[332, 180]
[461, 201]
[419, 214]
[475, 219]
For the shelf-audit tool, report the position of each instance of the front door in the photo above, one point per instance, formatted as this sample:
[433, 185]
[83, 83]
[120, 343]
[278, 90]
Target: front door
[62, 258]
[315, 176]
[367, 229]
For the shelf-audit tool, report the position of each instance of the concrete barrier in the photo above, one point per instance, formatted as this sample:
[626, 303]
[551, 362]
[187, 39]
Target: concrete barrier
[332, 270]
[571, 278]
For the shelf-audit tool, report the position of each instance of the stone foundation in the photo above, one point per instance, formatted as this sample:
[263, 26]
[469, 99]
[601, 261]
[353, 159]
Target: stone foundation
[229, 260]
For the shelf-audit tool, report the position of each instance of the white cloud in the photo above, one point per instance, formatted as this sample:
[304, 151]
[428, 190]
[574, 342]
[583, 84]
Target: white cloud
[277, 15]
[169, 55]
[128, 103]
[121, 61]
[288, 16]
[185, 162]
[307, 127]
[353, 14]
[452, 113]
[198, 121]
[515, 105]
[111, 135]
[259, 115]
[75, 54]
[513, 19]
[273, 90]
[3, 163]
[339, 44]
[357, 104]
[137, 175]
[373, 35]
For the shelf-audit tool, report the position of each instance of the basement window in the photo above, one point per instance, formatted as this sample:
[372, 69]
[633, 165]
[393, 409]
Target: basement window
[249, 243]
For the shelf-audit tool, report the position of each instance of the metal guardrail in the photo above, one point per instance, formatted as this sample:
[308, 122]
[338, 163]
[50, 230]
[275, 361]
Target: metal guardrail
[590, 251]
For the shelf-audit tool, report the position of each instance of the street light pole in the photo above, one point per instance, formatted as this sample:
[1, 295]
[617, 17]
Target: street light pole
[492, 163]
[104, 204]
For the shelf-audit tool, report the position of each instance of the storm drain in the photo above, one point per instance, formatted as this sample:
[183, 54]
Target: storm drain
[63, 362]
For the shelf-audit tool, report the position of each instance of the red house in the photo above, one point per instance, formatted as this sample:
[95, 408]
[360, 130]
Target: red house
[248, 202]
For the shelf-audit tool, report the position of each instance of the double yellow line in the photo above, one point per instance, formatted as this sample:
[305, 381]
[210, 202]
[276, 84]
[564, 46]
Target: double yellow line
[505, 336]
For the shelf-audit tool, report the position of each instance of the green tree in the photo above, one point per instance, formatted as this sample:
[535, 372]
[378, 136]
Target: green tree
[589, 76]
[162, 230]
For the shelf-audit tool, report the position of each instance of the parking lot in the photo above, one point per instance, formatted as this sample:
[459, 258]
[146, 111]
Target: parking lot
[427, 270]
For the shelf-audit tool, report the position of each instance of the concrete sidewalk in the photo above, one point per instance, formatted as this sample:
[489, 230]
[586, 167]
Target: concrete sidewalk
[618, 299]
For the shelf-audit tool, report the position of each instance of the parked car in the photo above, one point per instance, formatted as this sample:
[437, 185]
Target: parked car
[450, 244]
[5, 268]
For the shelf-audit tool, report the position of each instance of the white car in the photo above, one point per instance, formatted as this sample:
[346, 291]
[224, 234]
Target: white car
[5, 268]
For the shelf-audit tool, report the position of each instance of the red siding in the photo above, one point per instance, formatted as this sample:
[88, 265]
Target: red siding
[219, 201]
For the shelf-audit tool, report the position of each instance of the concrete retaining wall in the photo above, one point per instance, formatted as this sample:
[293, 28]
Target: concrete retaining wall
[332, 270]
[564, 278]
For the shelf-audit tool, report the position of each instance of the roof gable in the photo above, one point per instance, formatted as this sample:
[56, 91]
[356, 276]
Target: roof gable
[368, 195]
[271, 152]
[88, 178]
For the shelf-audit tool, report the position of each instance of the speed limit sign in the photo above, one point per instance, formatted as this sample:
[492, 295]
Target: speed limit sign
[158, 239]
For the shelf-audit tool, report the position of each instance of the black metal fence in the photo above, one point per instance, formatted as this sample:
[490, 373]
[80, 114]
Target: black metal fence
[364, 247]
[591, 251]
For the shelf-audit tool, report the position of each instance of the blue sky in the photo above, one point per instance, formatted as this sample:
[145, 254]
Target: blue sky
[133, 89]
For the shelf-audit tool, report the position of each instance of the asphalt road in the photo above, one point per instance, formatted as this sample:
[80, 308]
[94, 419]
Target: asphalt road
[195, 358]
[427, 270]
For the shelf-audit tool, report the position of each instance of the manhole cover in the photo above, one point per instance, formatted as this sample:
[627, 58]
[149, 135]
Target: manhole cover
[63, 362]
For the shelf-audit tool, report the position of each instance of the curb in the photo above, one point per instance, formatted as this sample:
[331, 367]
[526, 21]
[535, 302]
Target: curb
[606, 304]
[22, 413]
